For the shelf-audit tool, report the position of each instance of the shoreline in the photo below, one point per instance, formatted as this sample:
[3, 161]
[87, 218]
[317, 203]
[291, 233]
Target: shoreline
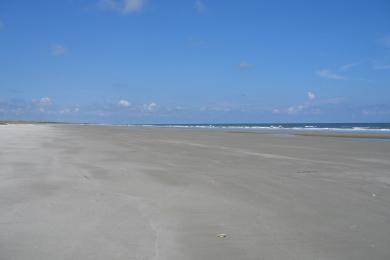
[340, 133]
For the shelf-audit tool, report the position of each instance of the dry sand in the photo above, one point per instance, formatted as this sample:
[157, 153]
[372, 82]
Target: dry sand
[104, 192]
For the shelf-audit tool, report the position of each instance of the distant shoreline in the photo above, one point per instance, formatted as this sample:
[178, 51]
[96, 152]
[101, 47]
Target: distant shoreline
[21, 122]
[280, 128]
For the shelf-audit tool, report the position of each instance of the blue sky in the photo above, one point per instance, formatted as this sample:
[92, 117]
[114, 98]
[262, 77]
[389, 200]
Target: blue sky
[190, 61]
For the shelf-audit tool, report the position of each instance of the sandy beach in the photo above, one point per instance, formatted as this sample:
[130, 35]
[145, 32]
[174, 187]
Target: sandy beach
[111, 192]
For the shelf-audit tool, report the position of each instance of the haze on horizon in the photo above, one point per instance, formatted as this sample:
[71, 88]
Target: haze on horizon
[149, 61]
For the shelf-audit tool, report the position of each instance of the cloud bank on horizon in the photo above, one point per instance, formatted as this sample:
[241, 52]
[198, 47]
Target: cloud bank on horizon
[129, 61]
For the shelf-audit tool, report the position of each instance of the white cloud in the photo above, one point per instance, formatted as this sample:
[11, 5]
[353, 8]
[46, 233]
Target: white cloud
[245, 65]
[42, 103]
[324, 73]
[123, 103]
[45, 101]
[131, 6]
[123, 6]
[65, 111]
[295, 109]
[69, 110]
[200, 6]
[58, 50]
[109, 4]
[151, 107]
[311, 95]
[349, 65]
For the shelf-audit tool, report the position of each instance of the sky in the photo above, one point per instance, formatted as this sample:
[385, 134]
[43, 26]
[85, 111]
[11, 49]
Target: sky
[195, 61]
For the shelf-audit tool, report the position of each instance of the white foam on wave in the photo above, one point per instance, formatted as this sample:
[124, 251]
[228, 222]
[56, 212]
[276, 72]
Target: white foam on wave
[278, 127]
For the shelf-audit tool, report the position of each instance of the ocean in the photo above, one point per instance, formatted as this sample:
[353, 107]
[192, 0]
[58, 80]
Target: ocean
[382, 128]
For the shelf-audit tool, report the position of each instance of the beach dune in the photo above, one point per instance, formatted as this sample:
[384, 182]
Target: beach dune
[115, 192]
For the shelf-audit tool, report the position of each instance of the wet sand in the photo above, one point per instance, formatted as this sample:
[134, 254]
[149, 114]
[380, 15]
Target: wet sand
[105, 192]
[347, 135]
